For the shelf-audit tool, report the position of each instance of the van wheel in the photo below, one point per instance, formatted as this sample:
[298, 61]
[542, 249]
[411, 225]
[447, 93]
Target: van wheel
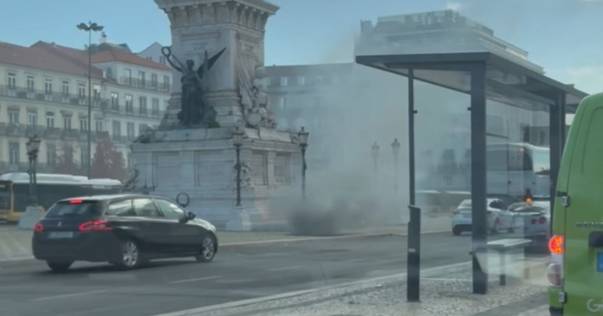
[456, 230]
[59, 266]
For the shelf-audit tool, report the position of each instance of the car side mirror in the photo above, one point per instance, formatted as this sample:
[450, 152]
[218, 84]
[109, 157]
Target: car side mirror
[187, 217]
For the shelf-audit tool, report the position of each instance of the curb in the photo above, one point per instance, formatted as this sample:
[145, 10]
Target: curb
[314, 238]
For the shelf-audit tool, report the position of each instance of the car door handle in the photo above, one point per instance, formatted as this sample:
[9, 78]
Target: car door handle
[595, 240]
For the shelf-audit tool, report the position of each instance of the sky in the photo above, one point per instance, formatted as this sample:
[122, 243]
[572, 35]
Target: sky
[560, 35]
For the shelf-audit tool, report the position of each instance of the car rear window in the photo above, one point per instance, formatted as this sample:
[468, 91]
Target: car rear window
[84, 209]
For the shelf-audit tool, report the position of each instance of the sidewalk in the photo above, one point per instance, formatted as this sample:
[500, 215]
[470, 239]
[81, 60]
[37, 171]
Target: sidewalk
[15, 244]
[444, 291]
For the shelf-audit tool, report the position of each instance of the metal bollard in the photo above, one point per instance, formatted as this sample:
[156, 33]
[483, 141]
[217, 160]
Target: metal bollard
[413, 262]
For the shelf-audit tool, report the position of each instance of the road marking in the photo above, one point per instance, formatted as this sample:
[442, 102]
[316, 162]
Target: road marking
[365, 282]
[48, 298]
[284, 268]
[196, 279]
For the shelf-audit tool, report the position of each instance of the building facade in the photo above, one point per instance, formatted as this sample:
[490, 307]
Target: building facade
[44, 91]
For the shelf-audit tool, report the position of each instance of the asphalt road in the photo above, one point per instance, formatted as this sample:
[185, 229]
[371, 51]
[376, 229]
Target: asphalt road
[241, 272]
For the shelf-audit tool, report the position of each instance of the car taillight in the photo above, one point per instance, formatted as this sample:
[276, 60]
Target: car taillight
[98, 225]
[39, 228]
[556, 245]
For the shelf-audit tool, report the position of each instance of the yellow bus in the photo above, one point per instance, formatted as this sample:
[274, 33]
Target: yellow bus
[14, 191]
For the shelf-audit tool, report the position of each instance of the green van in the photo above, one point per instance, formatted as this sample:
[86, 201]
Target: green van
[576, 245]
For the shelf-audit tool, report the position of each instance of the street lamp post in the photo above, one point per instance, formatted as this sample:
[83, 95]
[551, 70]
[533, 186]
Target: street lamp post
[303, 144]
[89, 27]
[375, 153]
[33, 146]
[237, 140]
[396, 151]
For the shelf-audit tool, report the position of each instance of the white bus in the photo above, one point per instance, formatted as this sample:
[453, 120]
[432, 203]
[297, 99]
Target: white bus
[14, 190]
[514, 168]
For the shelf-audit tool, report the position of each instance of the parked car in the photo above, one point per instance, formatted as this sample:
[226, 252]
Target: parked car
[125, 230]
[498, 219]
[531, 221]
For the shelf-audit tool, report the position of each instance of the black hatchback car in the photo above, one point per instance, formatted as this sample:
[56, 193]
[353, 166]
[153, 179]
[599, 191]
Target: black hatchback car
[125, 230]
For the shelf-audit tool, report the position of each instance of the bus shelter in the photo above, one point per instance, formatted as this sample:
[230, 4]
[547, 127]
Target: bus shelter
[483, 76]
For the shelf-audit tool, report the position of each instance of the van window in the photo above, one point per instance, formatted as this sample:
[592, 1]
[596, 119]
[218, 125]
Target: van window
[592, 163]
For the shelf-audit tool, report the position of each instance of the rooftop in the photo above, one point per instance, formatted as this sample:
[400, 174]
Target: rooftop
[62, 59]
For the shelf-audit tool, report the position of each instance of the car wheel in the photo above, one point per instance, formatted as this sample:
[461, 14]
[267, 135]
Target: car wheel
[456, 230]
[130, 255]
[59, 266]
[208, 249]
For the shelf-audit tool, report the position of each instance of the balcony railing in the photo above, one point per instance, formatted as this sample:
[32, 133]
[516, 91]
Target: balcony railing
[71, 99]
[144, 84]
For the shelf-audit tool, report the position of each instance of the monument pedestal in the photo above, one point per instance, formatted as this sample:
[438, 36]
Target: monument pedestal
[201, 163]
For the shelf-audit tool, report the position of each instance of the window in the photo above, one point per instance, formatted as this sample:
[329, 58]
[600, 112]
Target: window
[130, 130]
[162, 60]
[48, 86]
[96, 92]
[155, 106]
[282, 103]
[154, 80]
[65, 88]
[83, 124]
[115, 101]
[142, 102]
[301, 80]
[121, 208]
[284, 81]
[142, 78]
[146, 208]
[129, 76]
[67, 122]
[13, 116]
[142, 128]
[13, 153]
[12, 80]
[32, 118]
[30, 83]
[81, 90]
[83, 156]
[109, 73]
[116, 129]
[98, 124]
[169, 210]
[51, 154]
[129, 104]
[166, 82]
[50, 120]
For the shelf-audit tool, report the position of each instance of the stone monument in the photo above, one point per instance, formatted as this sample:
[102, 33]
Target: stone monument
[217, 50]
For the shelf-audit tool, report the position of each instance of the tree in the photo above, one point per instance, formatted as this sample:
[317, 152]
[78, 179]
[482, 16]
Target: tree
[107, 162]
[65, 163]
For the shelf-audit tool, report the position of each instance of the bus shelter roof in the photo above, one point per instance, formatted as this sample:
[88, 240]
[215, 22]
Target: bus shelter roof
[450, 70]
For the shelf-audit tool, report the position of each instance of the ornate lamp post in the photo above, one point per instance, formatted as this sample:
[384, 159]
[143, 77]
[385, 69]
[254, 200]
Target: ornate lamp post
[375, 154]
[303, 144]
[33, 146]
[237, 140]
[396, 151]
[90, 27]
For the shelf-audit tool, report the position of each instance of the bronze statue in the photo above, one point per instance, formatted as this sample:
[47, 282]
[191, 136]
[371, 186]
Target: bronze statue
[194, 108]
